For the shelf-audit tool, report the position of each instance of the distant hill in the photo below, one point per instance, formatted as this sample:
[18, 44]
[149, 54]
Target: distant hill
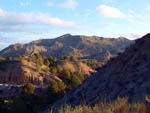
[82, 47]
[127, 75]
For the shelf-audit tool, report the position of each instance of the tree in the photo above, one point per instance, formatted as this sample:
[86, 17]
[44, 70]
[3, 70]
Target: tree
[38, 67]
[94, 66]
[53, 70]
[50, 59]
[9, 59]
[57, 87]
[47, 70]
[62, 87]
[72, 58]
[53, 88]
[75, 81]
[55, 59]
[80, 76]
[59, 69]
[28, 89]
[21, 57]
[1, 58]
[64, 57]
[46, 62]
[85, 62]
[66, 74]
[40, 61]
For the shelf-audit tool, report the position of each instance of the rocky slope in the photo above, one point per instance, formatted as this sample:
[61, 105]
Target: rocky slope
[21, 72]
[126, 75]
[83, 47]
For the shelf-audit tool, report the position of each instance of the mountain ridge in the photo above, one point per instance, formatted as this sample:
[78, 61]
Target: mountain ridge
[80, 46]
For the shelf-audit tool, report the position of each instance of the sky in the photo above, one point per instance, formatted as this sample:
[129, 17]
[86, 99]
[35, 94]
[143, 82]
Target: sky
[22, 21]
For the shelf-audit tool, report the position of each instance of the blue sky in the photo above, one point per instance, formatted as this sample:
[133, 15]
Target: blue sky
[22, 21]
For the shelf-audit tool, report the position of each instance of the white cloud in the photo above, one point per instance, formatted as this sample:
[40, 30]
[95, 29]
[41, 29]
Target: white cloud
[110, 12]
[50, 4]
[25, 3]
[69, 4]
[15, 21]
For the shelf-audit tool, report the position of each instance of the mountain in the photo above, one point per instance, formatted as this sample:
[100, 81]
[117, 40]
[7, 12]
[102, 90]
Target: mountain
[82, 47]
[127, 75]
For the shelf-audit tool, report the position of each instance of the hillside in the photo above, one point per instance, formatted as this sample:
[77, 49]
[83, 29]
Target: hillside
[82, 47]
[38, 70]
[127, 75]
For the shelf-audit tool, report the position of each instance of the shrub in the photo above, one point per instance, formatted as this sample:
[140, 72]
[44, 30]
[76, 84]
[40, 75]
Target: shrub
[28, 89]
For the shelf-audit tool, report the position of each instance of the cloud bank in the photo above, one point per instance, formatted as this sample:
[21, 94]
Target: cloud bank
[12, 21]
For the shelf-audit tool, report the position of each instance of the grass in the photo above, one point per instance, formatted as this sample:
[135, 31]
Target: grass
[120, 105]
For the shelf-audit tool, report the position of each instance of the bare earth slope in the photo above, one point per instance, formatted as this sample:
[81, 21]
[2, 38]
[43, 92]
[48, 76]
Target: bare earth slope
[127, 75]
[21, 72]
[85, 47]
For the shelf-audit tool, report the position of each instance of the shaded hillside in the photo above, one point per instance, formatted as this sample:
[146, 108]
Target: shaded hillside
[82, 47]
[39, 70]
[127, 75]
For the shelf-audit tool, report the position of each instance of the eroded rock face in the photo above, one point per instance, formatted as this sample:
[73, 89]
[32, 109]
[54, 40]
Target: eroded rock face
[127, 75]
[82, 47]
[21, 72]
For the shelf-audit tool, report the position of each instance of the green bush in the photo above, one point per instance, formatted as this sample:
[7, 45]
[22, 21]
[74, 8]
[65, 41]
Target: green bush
[28, 89]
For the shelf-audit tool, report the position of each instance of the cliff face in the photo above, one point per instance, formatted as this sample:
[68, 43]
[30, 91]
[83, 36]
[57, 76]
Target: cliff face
[83, 47]
[127, 75]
